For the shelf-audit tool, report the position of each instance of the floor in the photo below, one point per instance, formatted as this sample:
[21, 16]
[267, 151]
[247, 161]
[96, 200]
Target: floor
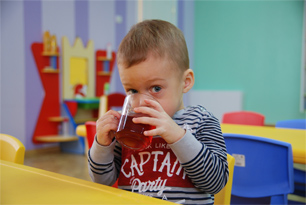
[52, 159]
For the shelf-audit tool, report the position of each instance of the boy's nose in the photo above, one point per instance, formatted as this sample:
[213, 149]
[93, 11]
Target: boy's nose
[141, 100]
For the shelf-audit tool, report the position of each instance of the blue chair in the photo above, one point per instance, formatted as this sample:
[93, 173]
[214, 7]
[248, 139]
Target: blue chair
[299, 175]
[263, 168]
[292, 124]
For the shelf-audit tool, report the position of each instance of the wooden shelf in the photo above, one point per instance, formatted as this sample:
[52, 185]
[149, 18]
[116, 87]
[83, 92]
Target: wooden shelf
[82, 121]
[50, 54]
[103, 64]
[104, 59]
[49, 78]
[56, 138]
[50, 70]
[103, 73]
[57, 119]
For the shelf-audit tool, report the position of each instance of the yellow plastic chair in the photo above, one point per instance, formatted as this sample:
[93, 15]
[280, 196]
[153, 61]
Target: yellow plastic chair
[224, 196]
[11, 149]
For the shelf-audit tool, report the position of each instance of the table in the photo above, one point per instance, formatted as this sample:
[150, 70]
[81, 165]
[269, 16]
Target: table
[22, 184]
[297, 138]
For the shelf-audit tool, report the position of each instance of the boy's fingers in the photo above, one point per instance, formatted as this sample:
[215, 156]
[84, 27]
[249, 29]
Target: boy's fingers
[146, 120]
[154, 104]
[152, 132]
[147, 111]
[114, 113]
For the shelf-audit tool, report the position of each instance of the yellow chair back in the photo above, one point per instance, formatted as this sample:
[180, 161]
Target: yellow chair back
[224, 196]
[11, 149]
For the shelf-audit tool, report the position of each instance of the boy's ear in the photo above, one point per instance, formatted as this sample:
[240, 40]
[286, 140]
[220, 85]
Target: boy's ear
[188, 80]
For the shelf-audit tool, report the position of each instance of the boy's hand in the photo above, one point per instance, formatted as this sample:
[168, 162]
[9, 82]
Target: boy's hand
[106, 126]
[165, 126]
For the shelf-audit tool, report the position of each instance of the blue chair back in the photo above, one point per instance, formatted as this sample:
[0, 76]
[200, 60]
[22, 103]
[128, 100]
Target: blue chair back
[292, 124]
[263, 167]
[299, 175]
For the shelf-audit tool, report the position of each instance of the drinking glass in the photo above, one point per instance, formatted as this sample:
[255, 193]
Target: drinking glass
[128, 133]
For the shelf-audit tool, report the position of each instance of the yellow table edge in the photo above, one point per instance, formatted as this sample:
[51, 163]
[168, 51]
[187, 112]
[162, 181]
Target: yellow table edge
[83, 183]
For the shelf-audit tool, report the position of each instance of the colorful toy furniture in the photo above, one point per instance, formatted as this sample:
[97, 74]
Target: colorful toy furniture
[79, 88]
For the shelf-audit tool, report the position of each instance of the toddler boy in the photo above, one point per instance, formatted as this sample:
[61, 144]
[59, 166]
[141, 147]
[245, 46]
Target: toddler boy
[186, 162]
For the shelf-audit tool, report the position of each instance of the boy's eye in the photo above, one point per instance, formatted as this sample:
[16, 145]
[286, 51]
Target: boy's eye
[132, 91]
[156, 89]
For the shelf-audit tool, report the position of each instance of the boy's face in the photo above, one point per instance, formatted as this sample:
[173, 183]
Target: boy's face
[156, 77]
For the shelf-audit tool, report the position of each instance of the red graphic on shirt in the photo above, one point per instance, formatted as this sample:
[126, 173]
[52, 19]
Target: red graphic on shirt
[153, 169]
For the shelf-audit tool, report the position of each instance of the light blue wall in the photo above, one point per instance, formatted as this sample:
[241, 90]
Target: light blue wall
[165, 10]
[254, 47]
[101, 27]
[12, 80]
[58, 18]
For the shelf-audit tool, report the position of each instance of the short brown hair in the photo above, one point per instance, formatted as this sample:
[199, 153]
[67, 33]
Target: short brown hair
[157, 37]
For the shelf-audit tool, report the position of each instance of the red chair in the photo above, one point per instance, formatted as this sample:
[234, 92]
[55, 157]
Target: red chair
[90, 132]
[90, 136]
[244, 118]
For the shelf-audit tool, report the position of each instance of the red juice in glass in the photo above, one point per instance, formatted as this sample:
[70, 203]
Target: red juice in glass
[131, 135]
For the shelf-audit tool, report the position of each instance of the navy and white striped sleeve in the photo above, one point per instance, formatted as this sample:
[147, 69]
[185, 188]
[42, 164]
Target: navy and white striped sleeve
[104, 163]
[202, 151]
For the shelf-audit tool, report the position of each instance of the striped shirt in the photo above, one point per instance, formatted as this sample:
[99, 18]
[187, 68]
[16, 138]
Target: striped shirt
[189, 171]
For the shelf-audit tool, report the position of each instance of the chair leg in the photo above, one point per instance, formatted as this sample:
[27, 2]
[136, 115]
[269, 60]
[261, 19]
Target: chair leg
[279, 199]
